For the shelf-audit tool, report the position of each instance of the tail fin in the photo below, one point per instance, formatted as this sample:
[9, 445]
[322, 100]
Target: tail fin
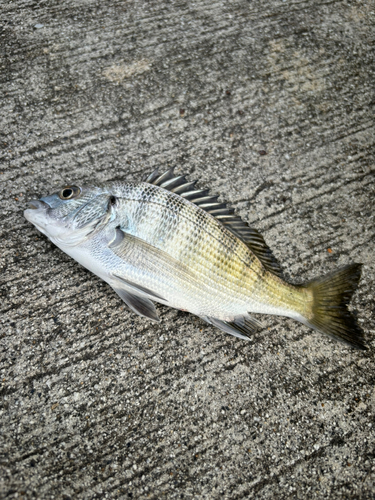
[330, 315]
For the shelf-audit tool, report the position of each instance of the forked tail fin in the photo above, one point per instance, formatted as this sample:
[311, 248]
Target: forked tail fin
[330, 314]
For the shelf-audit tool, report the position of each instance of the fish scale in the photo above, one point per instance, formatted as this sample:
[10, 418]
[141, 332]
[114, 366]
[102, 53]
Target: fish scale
[163, 240]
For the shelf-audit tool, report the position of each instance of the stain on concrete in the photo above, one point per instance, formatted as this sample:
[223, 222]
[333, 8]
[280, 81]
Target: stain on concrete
[119, 72]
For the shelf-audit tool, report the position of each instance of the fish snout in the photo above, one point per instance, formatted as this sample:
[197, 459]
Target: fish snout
[37, 204]
[37, 212]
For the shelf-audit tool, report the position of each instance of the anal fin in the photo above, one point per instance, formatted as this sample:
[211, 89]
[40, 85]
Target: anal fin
[241, 327]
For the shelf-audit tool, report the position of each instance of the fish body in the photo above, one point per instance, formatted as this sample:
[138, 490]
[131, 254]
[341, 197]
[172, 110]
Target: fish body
[164, 241]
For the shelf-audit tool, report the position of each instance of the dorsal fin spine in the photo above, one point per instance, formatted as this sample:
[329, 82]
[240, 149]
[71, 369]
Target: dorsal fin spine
[184, 187]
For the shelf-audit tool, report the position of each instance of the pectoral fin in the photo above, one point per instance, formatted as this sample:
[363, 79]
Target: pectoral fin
[152, 262]
[138, 254]
[140, 305]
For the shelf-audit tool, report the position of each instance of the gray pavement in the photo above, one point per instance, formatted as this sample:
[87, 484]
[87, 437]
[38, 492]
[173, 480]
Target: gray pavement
[269, 103]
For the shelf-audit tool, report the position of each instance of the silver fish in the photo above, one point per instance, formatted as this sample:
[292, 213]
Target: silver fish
[163, 240]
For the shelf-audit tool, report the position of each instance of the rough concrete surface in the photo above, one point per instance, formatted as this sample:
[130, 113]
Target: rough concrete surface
[269, 103]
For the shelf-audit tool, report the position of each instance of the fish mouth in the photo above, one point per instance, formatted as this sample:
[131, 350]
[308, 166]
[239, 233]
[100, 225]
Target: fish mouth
[37, 213]
[37, 204]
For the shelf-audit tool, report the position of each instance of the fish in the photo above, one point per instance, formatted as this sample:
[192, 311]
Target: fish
[165, 240]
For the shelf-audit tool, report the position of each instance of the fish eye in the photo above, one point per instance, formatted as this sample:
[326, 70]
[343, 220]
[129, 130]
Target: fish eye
[69, 192]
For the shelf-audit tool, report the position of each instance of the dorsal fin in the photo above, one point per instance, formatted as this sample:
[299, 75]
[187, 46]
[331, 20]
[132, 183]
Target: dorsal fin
[221, 211]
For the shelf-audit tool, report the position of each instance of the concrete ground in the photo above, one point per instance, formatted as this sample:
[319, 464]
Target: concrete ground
[269, 103]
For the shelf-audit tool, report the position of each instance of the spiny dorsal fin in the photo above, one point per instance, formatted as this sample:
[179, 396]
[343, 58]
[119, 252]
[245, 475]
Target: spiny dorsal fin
[221, 211]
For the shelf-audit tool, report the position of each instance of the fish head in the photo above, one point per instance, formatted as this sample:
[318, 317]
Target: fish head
[69, 216]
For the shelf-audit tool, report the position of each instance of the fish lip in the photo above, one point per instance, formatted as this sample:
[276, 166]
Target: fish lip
[37, 204]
